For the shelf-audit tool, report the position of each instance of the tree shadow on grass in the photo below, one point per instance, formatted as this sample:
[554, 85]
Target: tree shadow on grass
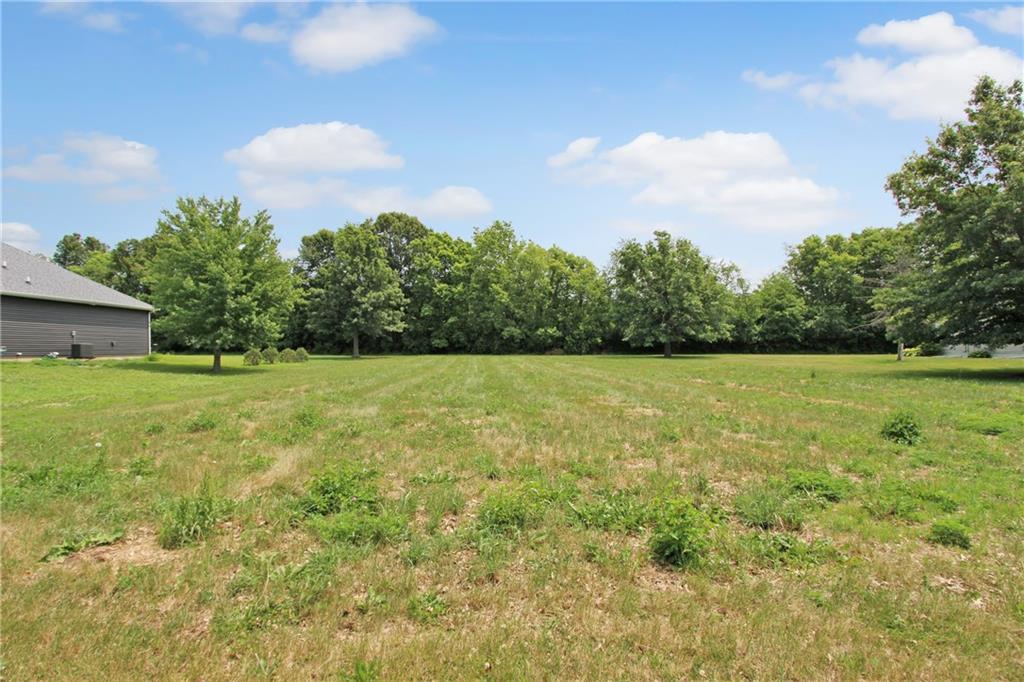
[675, 356]
[205, 369]
[999, 374]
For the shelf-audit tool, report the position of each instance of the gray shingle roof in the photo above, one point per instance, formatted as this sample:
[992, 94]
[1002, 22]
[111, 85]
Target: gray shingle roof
[31, 276]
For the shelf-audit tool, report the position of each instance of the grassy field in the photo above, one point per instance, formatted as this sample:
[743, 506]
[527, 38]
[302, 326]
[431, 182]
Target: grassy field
[514, 517]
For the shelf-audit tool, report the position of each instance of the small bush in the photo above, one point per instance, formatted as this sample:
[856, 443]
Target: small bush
[153, 357]
[911, 352]
[951, 533]
[930, 349]
[269, 355]
[681, 536]
[770, 507]
[191, 518]
[902, 428]
[252, 358]
[820, 484]
[288, 355]
[301, 355]
[979, 354]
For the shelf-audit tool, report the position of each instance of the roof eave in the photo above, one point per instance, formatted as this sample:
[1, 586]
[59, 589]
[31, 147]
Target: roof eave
[140, 305]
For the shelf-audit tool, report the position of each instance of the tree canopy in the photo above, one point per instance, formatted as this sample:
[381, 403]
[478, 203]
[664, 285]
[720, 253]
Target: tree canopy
[217, 277]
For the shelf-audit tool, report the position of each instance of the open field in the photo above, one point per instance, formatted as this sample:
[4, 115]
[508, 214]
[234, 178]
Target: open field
[490, 517]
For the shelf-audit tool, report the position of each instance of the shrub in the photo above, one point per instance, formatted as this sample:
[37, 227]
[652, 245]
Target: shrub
[769, 507]
[152, 357]
[902, 428]
[820, 484]
[251, 358]
[288, 355]
[269, 355]
[191, 518]
[911, 352]
[979, 354]
[301, 355]
[951, 533]
[930, 349]
[681, 536]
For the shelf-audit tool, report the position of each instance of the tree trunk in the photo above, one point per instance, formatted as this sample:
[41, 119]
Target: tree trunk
[899, 351]
[668, 349]
[355, 344]
[216, 360]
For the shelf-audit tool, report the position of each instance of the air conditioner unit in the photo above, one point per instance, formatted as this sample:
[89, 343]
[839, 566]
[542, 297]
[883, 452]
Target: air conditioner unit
[82, 350]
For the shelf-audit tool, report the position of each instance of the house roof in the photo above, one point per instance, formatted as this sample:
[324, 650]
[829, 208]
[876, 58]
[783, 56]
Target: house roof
[28, 276]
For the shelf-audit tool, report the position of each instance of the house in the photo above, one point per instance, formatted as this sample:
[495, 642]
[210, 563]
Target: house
[45, 309]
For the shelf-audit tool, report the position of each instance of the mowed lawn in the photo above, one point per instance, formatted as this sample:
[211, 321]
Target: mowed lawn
[489, 517]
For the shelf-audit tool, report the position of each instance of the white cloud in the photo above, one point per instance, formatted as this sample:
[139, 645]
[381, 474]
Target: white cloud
[124, 168]
[213, 18]
[20, 235]
[298, 167]
[349, 36]
[82, 12]
[932, 33]
[582, 148]
[780, 81]
[190, 50]
[931, 87]
[315, 147]
[265, 33]
[1009, 19]
[743, 179]
[934, 83]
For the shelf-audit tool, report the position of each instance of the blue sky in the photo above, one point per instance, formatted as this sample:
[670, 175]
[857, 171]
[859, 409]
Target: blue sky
[743, 127]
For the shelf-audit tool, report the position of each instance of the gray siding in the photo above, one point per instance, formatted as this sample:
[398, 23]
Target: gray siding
[35, 327]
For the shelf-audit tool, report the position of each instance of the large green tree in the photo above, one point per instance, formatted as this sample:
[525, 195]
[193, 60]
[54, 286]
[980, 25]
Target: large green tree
[359, 293]
[74, 250]
[217, 278]
[665, 291]
[966, 193]
[438, 269]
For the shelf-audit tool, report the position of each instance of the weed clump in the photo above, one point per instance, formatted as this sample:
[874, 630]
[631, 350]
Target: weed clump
[819, 484]
[361, 527]
[508, 510]
[427, 607]
[951, 533]
[619, 510]
[902, 428]
[681, 537]
[191, 518]
[345, 488]
[76, 542]
[770, 507]
[252, 357]
[785, 549]
[201, 422]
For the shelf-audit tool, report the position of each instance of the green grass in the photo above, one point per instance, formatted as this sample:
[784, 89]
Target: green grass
[612, 517]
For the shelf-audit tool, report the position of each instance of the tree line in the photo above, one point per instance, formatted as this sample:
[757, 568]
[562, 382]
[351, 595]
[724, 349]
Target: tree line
[953, 273]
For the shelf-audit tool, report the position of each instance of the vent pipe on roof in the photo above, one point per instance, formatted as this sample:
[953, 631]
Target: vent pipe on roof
[28, 279]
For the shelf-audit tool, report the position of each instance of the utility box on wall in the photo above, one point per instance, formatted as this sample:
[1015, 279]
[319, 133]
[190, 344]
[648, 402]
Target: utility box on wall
[82, 350]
